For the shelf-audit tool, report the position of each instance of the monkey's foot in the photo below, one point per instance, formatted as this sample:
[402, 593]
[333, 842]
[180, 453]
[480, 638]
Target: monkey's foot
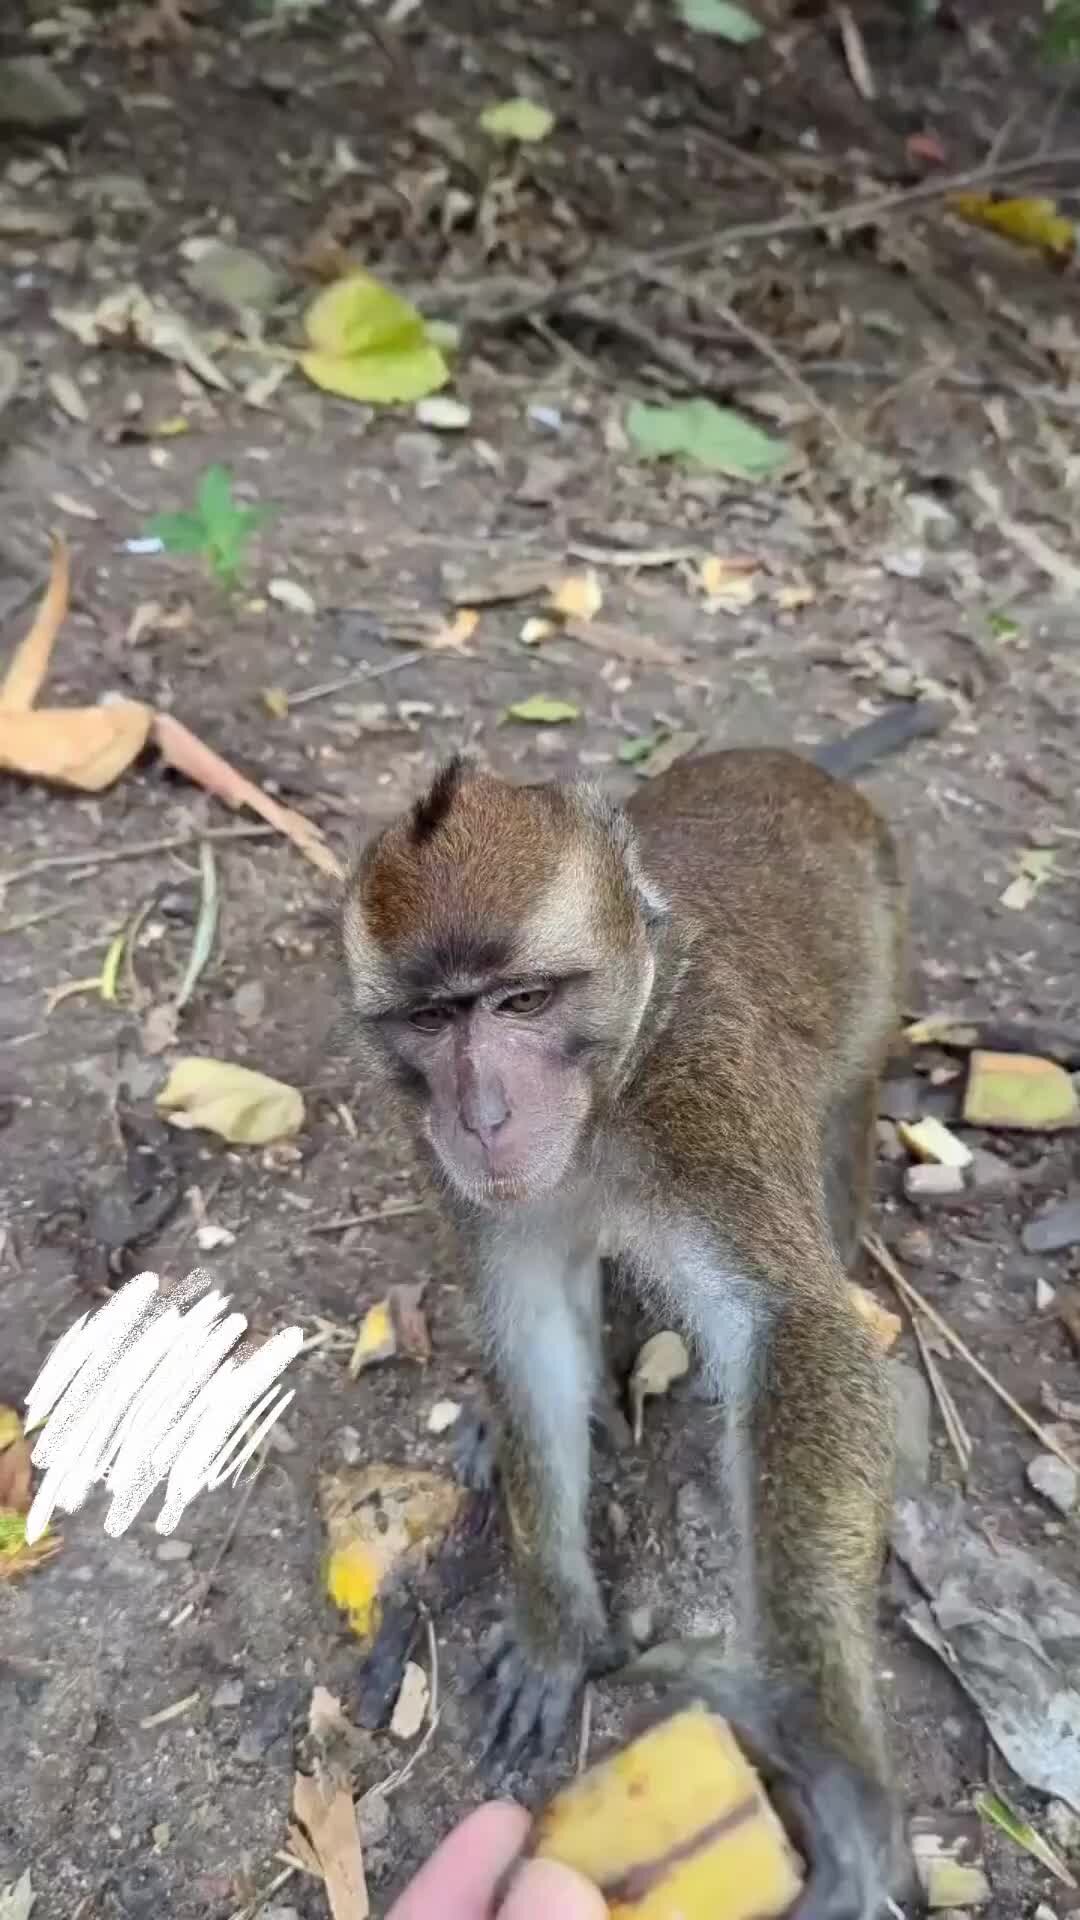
[526, 1703]
[474, 1452]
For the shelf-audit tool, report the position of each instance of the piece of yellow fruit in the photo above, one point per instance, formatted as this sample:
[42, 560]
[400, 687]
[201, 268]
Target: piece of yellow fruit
[930, 1140]
[675, 1827]
[1019, 1091]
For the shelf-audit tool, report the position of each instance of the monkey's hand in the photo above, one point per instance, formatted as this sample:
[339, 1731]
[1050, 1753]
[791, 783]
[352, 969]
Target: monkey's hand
[841, 1818]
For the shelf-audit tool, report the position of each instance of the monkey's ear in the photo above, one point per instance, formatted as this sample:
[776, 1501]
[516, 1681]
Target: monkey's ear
[614, 822]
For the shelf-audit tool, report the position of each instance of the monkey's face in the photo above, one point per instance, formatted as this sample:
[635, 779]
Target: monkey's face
[499, 949]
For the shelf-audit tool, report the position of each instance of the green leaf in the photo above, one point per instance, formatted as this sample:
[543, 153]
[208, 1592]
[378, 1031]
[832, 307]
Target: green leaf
[521, 119]
[995, 1808]
[632, 752]
[710, 436]
[368, 344]
[214, 498]
[728, 22]
[1061, 32]
[543, 710]
[178, 532]
[1003, 626]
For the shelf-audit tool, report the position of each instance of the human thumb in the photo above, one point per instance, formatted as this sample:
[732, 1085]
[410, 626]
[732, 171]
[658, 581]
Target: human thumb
[546, 1890]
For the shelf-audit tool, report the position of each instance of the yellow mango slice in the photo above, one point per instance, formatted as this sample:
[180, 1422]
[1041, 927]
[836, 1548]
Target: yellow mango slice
[677, 1826]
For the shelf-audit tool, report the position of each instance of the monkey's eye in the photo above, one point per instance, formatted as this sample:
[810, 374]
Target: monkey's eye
[431, 1019]
[528, 1000]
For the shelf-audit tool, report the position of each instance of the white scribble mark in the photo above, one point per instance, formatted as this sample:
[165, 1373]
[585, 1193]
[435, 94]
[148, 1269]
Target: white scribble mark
[146, 1389]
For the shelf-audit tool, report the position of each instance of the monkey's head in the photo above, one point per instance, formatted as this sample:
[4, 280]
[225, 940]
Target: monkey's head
[499, 945]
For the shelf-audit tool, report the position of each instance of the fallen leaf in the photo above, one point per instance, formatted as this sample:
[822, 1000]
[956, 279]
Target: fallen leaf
[326, 1837]
[721, 18]
[78, 509]
[17, 1554]
[622, 643]
[289, 593]
[661, 1362]
[452, 636]
[368, 344]
[239, 1105]
[410, 1709]
[69, 397]
[1036, 867]
[129, 316]
[520, 119]
[886, 1327]
[14, 1463]
[276, 702]
[382, 1522]
[514, 579]
[84, 747]
[579, 597]
[543, 710]
[931, 1140]
[29, 667]
[17, 1900]
[729, 583]
[1021, 1091]
[376, 1340]
[711, 436]
[206, 768]
[1031, 222]
[633, 752]
[995, 1808]
[666, 749]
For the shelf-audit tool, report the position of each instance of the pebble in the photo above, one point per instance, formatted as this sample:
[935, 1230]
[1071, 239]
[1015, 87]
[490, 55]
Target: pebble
[372, 1818]
[1056, 1227]
[34, 98]
[229, 1694]
[444, 1414]
[1045, 1295]
[933, 1183]
[174, 1549]
[349, 1445]
[915, 1247]
[1054, 1480]
[988, 1173]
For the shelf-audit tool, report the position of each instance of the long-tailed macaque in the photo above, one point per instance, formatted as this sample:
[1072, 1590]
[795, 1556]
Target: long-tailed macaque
[653, 1035]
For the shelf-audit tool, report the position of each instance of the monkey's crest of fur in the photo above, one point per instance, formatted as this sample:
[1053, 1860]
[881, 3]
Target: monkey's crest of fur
[444, 895]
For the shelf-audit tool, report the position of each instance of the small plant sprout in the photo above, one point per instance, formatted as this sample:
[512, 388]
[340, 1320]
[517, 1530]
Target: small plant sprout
[218, 527]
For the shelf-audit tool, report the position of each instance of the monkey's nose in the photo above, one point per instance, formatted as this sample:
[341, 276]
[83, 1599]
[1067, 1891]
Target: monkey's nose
[484, 1110]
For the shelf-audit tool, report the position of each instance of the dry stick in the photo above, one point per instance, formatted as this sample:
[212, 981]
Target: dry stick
[352, 679]
[367, 1218]
[959, 1438]
[138, 850]
[849, 214]
[1028, 539]
[880, 1254]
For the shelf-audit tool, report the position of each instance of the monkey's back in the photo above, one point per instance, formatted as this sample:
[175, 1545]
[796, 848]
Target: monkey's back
[791, 890]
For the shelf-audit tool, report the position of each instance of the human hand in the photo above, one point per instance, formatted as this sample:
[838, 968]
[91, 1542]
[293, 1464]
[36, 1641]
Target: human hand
[460, 1879]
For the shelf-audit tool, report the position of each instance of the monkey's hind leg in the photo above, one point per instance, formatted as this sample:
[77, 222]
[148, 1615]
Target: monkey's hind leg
[849, 1164]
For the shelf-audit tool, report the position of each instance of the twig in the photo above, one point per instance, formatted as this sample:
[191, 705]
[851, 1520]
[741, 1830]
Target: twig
[24, 920]
[959, 1437]
[880, 1254]
[252, 1907]
[1028, 539]
[395, 1210]
[845, 217]
[858, 65]
[230, 1532]
[138, 850]
[352, 679]
[585, 1732]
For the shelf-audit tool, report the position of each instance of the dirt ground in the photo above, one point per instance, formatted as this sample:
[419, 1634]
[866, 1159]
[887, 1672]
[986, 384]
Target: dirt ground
[905, 360]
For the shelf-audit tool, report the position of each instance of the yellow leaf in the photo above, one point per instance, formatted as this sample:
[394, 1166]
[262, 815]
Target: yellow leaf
[84, 747]
[519, 119]
[376, 1340]
[1030, 222]
[241, 1106]
[579, 597]
[368, 344]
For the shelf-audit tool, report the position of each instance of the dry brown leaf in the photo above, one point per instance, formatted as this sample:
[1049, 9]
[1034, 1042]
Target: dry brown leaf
[14, 1463]
[622, 643]
[410, 1321]
[452, 636]
[729, 582]
[201, 764]
[326, 1837]
[578, 597]
[511, 579]
[84, 747]
[25, 676]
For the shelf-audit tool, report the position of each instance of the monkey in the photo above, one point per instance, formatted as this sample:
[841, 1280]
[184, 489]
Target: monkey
[653, 1034]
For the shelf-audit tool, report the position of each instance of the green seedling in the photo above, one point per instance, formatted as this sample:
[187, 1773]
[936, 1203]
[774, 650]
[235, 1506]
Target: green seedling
[219, 528]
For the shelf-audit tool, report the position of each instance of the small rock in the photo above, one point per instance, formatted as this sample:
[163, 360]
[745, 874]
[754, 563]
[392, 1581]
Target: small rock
[174, 1549]
[618, 1521]
[989, 1173]
[907, 563]
[542, 479]
[443, 1416]
[249, 1749]
[1043, 1912]
[1063, 1826]
[34, 99]
[349, 1445]
[443, 413]
[911, 1404]
[889, 1144]
[236, 279]
[248, 1002]
[692, 1506]
[640, 1626]
[209, 1238]
[930, 521]
[279, 1913]
[915, 1247]
[1054, 1228]
[372, 1818]
[933, 1183]
[1054, 1480]
[280, 1439]
[229, 1694]
[902, 1099]
[1045, 1295]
